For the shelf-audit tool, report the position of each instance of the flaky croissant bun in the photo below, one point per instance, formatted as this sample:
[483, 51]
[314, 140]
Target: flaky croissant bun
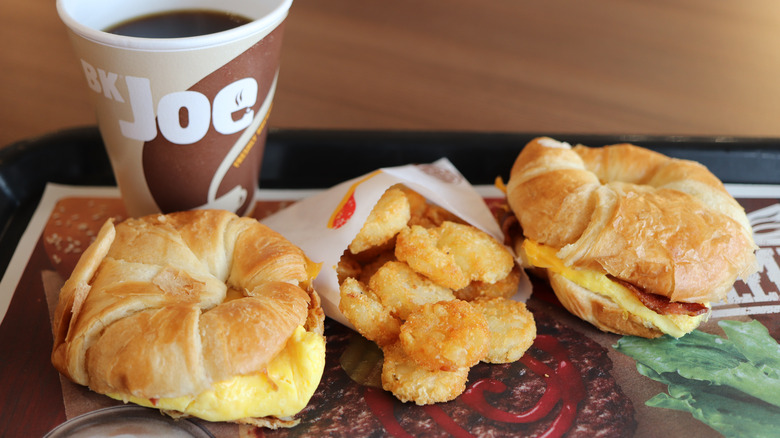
[665, 229]
[166, 306]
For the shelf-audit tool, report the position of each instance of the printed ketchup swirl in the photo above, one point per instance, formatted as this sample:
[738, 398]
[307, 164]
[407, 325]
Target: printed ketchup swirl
[563, 384]
[381, 404]
[474, 396]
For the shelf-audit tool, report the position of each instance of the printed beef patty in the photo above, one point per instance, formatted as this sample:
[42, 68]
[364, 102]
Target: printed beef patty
[562, 385]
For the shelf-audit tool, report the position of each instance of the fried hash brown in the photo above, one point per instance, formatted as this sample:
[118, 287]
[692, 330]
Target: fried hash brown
[433, 292]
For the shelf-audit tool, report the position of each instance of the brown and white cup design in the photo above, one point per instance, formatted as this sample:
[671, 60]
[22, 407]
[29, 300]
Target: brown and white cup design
[183, 119]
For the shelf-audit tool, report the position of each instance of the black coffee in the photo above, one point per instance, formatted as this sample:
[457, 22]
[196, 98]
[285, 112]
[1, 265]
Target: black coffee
[178, 24]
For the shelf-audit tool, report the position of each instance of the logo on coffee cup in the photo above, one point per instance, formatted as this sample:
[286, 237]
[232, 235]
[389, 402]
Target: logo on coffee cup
[202, 146]
[237, 96]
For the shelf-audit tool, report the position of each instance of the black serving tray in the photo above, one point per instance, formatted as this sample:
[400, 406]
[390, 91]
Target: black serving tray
[323, 158]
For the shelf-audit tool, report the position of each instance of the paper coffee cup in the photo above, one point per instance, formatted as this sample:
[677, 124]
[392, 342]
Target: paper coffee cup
[183, 119]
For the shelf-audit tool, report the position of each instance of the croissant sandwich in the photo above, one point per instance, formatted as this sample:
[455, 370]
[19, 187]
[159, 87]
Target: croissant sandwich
[631, 240]
[198, 313]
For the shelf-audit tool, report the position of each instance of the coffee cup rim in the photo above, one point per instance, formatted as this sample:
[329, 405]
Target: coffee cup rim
[88, 18]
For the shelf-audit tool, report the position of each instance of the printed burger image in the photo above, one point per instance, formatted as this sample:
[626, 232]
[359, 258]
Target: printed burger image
[557, 375]
[561, 387]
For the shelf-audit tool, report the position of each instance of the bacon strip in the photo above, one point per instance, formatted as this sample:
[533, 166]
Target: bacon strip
[661, 304]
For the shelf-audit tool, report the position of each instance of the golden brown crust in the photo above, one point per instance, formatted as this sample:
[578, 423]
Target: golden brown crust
[549, 186]
[665, 225]
[598, 310]
[166, 305]
[75, 290]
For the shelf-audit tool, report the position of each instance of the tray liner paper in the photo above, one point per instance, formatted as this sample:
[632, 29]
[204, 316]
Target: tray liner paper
[754, 299]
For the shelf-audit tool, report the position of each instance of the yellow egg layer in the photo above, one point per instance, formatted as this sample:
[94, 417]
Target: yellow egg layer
[546, 257]
[285, 387]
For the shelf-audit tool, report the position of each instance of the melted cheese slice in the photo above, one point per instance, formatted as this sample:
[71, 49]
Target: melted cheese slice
[546, 257]
[283, 390]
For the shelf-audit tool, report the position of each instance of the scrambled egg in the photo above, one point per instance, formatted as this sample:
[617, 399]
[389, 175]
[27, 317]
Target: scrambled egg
[283, 390]
[545, 257]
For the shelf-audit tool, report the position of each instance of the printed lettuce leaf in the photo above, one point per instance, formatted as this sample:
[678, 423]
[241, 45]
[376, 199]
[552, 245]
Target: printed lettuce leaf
[753, 341]
[731, 384]
[729, 416]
